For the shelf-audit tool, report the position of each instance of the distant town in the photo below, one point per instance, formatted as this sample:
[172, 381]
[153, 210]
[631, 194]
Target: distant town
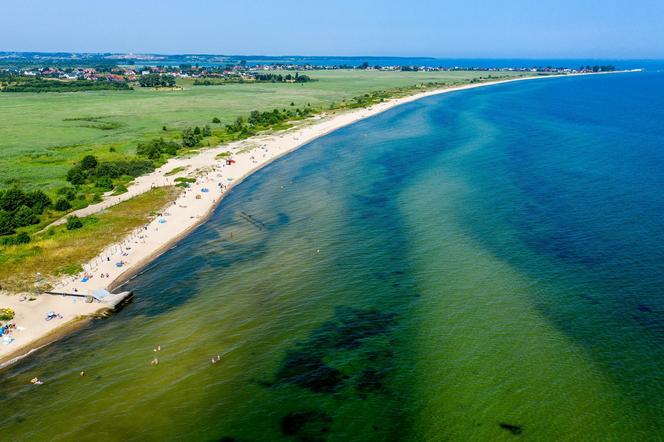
[35, 72]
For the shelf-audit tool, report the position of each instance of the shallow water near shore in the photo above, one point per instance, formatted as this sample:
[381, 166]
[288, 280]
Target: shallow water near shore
[480, 265]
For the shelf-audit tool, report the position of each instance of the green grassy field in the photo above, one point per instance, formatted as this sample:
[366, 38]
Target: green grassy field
[42, 135]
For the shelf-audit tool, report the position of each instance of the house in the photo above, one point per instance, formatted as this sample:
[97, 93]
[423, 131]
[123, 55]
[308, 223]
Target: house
[114, 77]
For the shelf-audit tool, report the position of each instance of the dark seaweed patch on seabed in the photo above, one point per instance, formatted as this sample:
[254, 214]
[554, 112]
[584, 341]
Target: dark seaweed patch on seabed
[306, 425]
[349, 330]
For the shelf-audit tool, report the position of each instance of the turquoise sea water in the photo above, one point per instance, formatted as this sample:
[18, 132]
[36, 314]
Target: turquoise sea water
[481, 265]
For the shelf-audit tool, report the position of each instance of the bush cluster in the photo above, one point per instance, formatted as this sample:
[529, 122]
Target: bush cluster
[192, 136]
[156, 80]
[74, 222]
[154, 149]
[40, 85]
[6, 314]
[20, 209]
[102, 174]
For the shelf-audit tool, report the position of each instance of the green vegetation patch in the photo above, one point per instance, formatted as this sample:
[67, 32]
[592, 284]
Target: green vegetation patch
[175, 171]
[6, 314]
[37, 85]
[62, 250]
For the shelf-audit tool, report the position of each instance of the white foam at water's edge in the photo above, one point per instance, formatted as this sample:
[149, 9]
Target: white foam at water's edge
[24, 355]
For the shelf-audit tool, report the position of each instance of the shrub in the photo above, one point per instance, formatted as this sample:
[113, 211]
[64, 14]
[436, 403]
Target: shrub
[62, 204]
[88, 162]
[39, 201]
[76, 176]
[6, 223]
[12, 199]
[216, 120]
[104, 183]
[74, 222]
[153, 149]
[6, 314]
[190, 138]
[24, 216]
[119, 189]
[22, 238]
[109, 170]
[68, 192]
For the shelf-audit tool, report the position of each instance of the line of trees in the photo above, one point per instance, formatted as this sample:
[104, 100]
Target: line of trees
[90, 171]
[39, 85]
[597, 68]
[279, 78]
[156, 80]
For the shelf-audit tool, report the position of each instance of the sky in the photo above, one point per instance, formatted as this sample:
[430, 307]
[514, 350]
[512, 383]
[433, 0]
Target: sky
[459, 28]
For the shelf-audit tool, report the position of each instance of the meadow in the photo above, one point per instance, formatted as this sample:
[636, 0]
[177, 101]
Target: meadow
[43, 135]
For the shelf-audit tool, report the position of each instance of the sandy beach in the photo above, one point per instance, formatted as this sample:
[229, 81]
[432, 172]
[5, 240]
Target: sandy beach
[215, 177]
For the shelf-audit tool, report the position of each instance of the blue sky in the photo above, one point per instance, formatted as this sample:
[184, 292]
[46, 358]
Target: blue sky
[460, 28]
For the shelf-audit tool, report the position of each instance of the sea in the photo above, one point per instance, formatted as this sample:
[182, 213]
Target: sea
[480, 265]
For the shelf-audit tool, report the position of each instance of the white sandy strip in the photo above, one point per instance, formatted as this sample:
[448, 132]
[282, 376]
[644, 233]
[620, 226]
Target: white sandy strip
[188, 211]
[31, 319]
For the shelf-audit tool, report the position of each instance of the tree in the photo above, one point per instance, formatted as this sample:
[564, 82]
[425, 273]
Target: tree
[207, 132]
[22, 238]
[74, 222]
[12, 199]
[39, 201]
[88, 162]
[237, 126]
[76, 176]
[62, 204]
[254, 117]
[197, 130]
[6, 223]
[156, 80]
[24, 216]
[189, 138]
[150, 150]
[108, 169]
[216, 120]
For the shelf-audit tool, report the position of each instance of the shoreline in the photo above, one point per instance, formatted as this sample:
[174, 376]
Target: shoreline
[194, 206]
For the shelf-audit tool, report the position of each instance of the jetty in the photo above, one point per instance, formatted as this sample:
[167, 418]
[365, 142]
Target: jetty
[113, 301]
